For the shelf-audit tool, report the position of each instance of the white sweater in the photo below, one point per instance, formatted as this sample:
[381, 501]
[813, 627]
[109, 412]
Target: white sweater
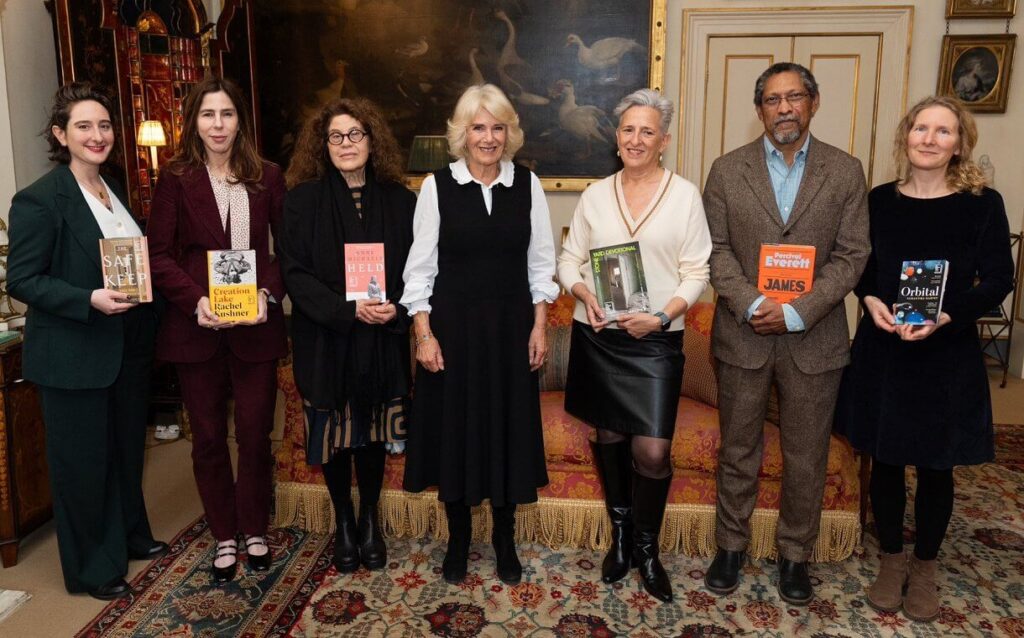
[673, 235]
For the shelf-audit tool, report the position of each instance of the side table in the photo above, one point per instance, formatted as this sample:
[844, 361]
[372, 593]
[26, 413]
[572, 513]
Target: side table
[25, 501]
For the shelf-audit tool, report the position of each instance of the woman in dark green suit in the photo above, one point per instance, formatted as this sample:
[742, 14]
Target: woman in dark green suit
[88, 350]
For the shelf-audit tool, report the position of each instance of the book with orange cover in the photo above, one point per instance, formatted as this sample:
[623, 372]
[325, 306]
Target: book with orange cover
[364, 272]
[125, 262]
[785, 271]
[233, 293]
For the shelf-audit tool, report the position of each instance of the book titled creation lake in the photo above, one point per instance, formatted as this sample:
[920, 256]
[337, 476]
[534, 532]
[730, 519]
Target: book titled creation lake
[919, 298]
[232, 277]
[619, 280]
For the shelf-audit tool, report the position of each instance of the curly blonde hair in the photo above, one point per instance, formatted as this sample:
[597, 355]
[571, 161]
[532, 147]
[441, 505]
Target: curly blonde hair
[493, 100]
[962, 174]
[312, 160]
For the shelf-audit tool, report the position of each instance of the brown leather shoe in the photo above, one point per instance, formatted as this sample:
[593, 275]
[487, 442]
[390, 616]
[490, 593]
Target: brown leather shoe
[886, 593]
[921, 602]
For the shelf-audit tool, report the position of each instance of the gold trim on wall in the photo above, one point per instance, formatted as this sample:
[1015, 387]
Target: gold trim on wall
[856, 89]
[689, 14]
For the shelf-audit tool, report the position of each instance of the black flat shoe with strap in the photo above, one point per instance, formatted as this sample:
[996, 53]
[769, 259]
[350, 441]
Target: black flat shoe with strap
[259, 562]
[222, 575]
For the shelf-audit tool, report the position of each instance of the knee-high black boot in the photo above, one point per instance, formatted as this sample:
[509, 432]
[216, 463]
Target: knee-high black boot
[614, 464]
[503, 538]
[649, 497]
[460, 531]
[370, 461]
[338, 476]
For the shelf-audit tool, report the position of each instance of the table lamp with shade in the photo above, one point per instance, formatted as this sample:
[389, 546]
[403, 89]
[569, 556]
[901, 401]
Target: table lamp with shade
[151, 134]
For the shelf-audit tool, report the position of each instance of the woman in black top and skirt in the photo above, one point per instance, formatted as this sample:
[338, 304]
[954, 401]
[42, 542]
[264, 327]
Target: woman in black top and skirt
[478, 281]
[351, 358]
[918, 394]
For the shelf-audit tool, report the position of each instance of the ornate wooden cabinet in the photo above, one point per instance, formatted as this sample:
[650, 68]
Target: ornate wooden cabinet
[148, 55]
[24, 482]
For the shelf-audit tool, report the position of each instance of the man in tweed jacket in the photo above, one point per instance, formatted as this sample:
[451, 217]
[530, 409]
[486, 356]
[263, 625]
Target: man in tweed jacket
[785, 187]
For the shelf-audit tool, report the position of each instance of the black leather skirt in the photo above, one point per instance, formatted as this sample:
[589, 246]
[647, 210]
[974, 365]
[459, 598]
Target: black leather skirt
[616, 382]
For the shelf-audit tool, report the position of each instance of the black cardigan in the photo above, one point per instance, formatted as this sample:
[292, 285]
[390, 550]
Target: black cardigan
[321, 318]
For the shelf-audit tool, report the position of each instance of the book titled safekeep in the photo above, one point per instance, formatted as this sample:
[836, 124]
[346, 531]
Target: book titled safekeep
[785, 271]
[619, 279]
[919, 298]
[232, 276]
[125, 262]
[364, 272]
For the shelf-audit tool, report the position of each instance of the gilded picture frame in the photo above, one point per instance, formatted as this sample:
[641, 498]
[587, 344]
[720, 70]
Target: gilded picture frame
[976, 69]
[564, 66]
[976, 9]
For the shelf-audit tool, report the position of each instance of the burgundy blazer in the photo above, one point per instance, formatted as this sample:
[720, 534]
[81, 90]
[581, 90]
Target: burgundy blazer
[184, 224]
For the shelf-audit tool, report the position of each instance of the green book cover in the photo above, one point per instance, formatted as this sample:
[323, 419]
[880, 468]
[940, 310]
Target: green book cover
[619, 280]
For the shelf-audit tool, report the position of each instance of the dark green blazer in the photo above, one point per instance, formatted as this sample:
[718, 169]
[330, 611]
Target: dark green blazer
[53, 266]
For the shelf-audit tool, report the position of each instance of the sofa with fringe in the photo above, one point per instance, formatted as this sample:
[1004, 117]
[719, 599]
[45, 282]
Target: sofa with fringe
[570, 511]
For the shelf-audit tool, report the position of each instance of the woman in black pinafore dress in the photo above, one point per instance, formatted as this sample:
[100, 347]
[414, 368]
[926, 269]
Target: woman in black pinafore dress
[478, 281]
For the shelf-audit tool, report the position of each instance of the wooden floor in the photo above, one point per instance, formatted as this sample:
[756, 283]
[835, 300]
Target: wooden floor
[174, 503]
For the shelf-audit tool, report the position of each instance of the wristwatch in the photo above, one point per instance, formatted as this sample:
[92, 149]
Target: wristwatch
[665, 321]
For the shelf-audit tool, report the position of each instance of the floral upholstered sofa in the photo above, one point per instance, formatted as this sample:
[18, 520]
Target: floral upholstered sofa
[571, 510]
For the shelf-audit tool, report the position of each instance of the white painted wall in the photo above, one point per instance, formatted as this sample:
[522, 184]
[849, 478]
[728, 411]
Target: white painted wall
[30, 66]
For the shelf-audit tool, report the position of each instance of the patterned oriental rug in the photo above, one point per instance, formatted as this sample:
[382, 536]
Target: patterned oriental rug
[302, 596]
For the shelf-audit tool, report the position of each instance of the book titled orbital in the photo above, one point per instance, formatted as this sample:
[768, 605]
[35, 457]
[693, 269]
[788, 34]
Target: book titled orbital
[919, 298]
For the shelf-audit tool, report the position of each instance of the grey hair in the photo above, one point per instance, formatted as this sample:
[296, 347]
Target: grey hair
[651, 98]
[806, 78]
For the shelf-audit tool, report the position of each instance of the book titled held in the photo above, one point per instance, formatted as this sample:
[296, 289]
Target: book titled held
[125, 263]
[919, 298]
[233, 293]
[619, 279]
[785, 271]
[364, 272]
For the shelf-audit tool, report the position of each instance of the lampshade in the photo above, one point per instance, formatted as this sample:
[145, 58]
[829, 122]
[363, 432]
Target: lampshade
[151, 133]
[428, 153]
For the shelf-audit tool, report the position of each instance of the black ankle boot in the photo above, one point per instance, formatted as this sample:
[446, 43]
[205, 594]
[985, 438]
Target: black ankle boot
[460, 531]
[346, 552]
[649, 497]
[372, 550]
[503, 538]
[614, 465]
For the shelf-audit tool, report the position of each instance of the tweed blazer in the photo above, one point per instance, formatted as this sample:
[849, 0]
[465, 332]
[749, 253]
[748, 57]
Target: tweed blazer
[830, 213]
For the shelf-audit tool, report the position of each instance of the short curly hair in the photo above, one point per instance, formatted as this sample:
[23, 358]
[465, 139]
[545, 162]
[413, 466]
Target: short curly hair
[64, 100]
[311, 159]
[493, 100]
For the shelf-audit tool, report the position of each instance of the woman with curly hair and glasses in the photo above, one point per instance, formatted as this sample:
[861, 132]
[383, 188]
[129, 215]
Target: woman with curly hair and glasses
[351, 358]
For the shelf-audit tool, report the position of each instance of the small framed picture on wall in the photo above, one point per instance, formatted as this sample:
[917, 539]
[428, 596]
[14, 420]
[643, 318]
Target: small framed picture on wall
[976, 69]
[997, 9]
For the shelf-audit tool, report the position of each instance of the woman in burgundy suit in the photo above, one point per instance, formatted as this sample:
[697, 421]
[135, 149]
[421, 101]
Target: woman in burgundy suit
[217, 193]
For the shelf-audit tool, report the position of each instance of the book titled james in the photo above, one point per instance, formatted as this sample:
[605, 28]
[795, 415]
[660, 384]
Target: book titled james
[233, 293]
[364, 272]
[125, 263]
[919, 298]
[619, 279]
[785, 271]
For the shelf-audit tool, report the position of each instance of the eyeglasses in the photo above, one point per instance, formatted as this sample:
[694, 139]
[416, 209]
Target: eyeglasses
[793, 99]
[355, 136]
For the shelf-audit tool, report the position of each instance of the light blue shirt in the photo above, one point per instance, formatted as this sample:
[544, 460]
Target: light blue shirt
[786, 184]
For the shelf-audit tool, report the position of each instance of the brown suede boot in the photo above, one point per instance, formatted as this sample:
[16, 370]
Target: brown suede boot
[921, 602]
[886, 593]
